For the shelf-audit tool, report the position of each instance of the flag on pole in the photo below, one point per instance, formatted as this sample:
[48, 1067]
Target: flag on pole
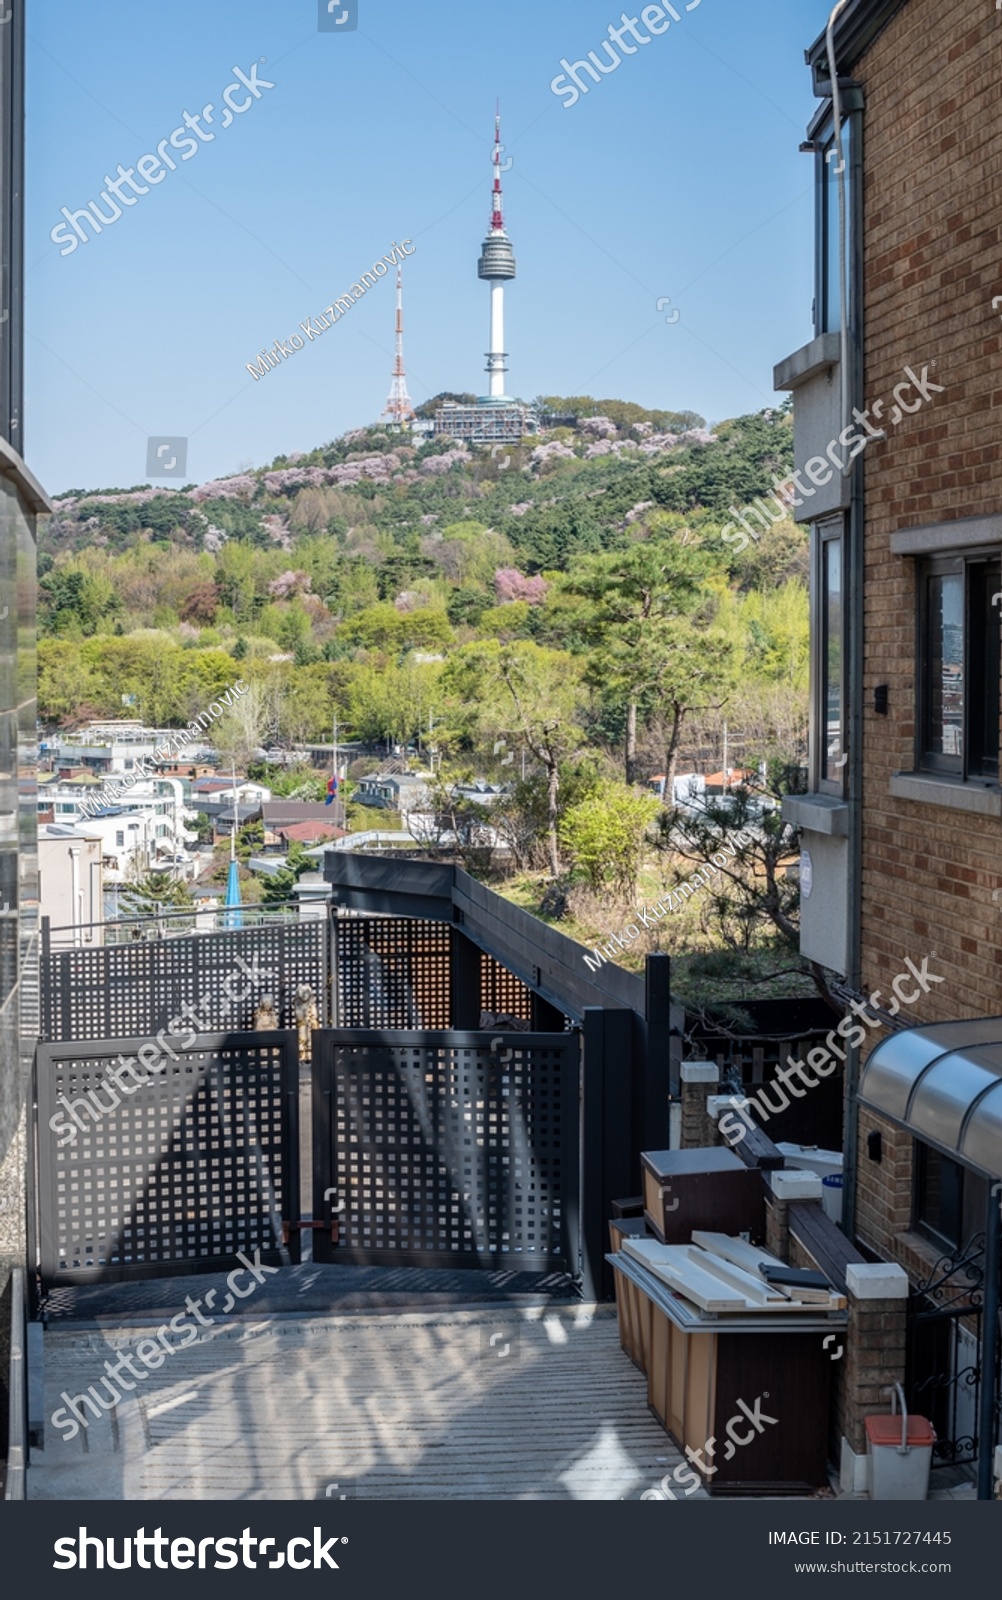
[331, 790]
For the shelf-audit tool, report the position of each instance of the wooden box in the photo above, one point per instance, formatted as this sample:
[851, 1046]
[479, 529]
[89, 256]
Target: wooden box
[706, 1188]
[632, 1306]
[697, 1383]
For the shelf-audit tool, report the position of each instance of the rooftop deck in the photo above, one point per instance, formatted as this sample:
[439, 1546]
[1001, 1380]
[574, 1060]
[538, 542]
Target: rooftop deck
[384, 1404]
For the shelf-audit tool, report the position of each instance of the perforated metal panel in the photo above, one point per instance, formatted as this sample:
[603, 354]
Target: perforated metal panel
[393, 972]
[455, 1149]
[501, 992]
[123, 990]
[200, 1161]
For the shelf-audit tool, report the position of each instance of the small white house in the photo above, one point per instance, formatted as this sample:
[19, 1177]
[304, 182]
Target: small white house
[220, 789]
[396, 791]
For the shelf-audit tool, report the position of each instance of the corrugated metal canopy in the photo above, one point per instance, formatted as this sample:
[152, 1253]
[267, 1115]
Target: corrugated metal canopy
[944, 1085]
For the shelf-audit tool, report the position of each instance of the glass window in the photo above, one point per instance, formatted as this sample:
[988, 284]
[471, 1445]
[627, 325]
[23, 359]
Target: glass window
[828, 672]
[831, 580]
[984, 583]
[945, 636]
[829, 311]
[960, 662]
[949, 1201]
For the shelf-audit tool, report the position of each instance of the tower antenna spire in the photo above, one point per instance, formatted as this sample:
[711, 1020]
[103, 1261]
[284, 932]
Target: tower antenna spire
[398, 406]
[497, 212]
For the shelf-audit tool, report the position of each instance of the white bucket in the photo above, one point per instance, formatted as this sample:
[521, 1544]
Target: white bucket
[831, 1196]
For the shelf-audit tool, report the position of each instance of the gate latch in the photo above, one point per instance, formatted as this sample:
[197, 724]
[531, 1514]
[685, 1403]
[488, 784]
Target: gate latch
[304, 1226]
[309, 1227]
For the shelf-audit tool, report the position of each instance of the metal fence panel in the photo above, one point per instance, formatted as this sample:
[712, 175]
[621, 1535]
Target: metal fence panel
[196, 1163]
[118, 991]
[447, 1149]
[946, 1359]
[393, 972]
[501, 992]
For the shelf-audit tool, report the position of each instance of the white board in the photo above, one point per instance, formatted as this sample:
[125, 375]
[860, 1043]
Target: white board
[673, 1264]
[750, 1285]
[739, 1251]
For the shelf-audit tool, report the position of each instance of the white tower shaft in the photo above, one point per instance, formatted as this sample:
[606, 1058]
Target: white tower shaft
[496, 357]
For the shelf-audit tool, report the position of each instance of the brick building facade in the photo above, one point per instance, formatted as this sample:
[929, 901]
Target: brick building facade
[896, 396]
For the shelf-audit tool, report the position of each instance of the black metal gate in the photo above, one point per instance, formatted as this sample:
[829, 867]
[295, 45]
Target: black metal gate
[944, 1370]
[171, 1167]
[433, 1145]
[447, 1149]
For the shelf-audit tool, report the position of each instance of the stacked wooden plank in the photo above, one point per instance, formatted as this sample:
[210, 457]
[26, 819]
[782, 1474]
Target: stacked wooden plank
[720, 1274]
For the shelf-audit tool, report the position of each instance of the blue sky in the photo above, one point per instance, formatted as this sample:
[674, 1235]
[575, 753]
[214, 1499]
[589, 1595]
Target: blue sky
[677, 177]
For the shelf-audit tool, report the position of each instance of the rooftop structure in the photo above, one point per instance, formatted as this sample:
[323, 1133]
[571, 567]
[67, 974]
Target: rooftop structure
[486, 423]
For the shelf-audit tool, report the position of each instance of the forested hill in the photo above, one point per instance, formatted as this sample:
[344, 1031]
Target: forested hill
[370, 547]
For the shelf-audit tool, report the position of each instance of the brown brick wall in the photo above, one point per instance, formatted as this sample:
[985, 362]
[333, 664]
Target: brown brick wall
[698, 1127]
[874, 1360]
[933, 223]
[884, 1188]
[932, 263]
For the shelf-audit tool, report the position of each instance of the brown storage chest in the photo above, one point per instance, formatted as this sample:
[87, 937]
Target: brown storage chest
[707, 1188]
[697, 1381]
[632, 1306]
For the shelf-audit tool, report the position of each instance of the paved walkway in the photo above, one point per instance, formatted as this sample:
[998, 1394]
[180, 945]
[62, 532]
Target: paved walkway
[385, 1405]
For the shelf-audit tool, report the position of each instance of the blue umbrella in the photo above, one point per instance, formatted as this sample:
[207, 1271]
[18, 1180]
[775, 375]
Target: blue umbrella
[234, 917]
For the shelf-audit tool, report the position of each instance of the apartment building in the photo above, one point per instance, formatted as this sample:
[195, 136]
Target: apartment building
[150, 827]
[105, 747]
[898, 448]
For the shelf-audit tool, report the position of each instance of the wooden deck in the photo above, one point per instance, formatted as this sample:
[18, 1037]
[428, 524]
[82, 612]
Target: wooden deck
[389, 1406]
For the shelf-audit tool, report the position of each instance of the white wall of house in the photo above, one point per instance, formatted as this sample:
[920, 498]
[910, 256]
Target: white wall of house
[247, 793]
[71, 884]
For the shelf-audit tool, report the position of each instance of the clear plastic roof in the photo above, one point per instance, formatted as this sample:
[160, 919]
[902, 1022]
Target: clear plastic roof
[944, 1084]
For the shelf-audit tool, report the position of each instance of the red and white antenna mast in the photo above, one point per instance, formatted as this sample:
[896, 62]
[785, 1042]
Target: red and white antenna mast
[398, 406]
[497, 212]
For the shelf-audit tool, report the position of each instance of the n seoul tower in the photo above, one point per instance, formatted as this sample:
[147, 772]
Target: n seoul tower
[496, 265]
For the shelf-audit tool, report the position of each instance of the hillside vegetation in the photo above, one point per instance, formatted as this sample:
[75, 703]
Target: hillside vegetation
[360, 578]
